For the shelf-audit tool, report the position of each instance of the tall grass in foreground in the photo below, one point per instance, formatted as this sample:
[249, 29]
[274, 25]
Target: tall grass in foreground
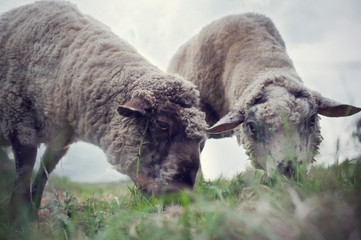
[325, 205]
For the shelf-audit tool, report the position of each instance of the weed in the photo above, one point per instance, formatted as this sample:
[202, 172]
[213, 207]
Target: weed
[141, 147]
[61, 212]
[323, 205]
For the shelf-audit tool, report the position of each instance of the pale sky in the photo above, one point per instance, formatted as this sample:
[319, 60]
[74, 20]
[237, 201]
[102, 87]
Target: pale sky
[322, 37]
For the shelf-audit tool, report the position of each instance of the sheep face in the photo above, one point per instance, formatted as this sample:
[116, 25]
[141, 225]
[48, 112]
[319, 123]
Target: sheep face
[169, 161]
[281, 130]
[280, 126]
[168, 156]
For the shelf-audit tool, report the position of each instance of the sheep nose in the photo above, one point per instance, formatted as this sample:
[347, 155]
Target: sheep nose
[286, 168]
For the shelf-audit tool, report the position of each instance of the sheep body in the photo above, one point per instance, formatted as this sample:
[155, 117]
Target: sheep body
[64, 76]
[244, 75]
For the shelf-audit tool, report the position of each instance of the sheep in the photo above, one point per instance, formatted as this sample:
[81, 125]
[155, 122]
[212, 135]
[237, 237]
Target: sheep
[249, 87]
[66, 77]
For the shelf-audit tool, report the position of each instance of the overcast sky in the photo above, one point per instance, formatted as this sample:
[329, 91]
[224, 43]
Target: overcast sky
[322, 37]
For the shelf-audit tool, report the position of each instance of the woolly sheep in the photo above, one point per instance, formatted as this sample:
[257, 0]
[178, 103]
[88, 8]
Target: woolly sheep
[244, 75]
[66, 77]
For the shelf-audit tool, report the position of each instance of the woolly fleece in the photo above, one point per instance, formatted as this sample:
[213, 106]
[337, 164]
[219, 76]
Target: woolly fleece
[240, 63]
[59, 69]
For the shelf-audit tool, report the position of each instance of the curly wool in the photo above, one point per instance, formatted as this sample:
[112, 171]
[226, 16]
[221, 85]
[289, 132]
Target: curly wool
[222, 63]
[59, 68]
[274, 112]
[293, 108]
[240, 64]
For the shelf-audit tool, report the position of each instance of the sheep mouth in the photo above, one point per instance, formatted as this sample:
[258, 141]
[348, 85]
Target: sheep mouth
[151, 186]
[159, 188]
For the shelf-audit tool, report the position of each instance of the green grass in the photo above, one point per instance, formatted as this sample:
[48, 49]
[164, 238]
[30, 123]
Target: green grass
[325, 205]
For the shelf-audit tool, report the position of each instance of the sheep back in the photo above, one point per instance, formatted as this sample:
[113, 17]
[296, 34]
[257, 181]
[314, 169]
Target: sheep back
[246, 42]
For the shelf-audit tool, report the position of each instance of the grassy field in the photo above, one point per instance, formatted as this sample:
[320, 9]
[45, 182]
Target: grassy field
[325, 205]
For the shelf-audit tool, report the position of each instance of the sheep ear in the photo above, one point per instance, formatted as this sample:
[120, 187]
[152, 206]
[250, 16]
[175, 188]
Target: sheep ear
[331, 108]
[135, 107]
[227, 123]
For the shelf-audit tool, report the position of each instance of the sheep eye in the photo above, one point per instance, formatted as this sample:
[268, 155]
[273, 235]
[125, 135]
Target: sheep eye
[163, 125]
[313, 120]
[251, 127]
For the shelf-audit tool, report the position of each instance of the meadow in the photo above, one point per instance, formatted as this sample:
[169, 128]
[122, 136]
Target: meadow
[324, 205]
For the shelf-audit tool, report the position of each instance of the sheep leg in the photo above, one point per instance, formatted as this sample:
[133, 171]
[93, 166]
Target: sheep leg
[49, 160]
[53, 153]
[20, 203]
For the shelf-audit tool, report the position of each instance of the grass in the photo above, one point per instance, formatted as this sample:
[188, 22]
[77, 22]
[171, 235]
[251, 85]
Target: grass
[325, 205]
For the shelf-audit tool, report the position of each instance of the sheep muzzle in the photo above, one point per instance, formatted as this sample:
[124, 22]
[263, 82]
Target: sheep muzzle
[173, 170]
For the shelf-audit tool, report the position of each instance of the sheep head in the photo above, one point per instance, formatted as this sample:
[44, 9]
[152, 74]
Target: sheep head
[169, 147]
[280, 126]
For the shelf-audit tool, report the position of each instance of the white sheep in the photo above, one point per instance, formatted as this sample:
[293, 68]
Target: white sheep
[244, 75]
[66, 77]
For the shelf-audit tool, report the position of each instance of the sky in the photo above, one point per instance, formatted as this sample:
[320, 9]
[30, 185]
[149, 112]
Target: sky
[322, 38]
